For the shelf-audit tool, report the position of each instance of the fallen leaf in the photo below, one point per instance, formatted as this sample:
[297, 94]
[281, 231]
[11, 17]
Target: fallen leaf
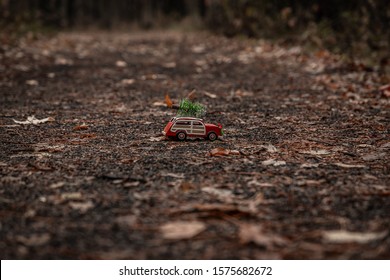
[182, 229]
[339, 164]
[273, 162]
[269, 148]
[385, 90]
[169, 65]
[310, 182]
[309, 165]
[71, 196]
[187, 186]
[81, 206]
[57, 185]
[127, 81]
[173, 175]
[211, 95]
[159, 104]
[212, 208]
[131, 184]
[316, 152]
[32, 82]
[223, 152]
[168, 101]
[120, 63]
[255, 183]
[198, 48]
[63, 61]
[374, 156]
[342, 236]
[34, 239]
[250, 233]
[192, 95]
[35, 121]
[225, 195]
[81, 127]
[153, 77]
[243, 93]
[126, 221]
[156, 139]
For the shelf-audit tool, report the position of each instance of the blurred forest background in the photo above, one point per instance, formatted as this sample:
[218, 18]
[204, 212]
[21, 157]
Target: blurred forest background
[356, 28]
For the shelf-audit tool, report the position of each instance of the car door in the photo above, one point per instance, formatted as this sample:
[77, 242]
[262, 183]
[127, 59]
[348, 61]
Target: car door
[198, 128]
[181, 125]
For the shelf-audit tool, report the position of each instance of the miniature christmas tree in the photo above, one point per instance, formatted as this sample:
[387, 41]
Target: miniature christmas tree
[187, 108]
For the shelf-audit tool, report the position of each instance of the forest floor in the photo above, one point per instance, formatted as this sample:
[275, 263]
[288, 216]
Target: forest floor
[302, 172]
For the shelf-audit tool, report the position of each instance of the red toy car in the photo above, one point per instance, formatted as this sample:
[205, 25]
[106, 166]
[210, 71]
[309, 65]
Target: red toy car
[183, 127]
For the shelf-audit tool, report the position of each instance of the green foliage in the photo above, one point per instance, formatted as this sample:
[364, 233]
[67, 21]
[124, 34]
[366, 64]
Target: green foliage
[187, 108]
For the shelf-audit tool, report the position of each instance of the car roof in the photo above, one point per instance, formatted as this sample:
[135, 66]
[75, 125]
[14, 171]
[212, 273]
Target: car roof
[187, 119]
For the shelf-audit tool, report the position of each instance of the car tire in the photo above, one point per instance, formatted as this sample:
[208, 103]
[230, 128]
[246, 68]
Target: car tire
[181, 136]
[212, 136]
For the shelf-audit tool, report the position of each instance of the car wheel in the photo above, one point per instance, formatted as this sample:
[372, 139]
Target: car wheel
[212, 136]
[181, 136]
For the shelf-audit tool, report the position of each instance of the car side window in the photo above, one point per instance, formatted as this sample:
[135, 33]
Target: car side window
[182, 123]
[197, 123]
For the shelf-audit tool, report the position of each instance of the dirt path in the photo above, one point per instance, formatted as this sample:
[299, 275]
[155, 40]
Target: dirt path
[310, 179]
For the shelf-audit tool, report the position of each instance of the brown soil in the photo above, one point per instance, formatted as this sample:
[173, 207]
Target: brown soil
[310, 179]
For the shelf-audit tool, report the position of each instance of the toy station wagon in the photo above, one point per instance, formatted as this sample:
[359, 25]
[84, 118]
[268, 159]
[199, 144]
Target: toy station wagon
[183, 127]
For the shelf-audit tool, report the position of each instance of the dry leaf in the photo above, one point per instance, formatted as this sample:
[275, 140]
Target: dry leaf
[223, 152]
[63, 61]
[374, 156]
[131, 184]
[212, 208]
[71, 196]
[34, 239]
[35, 121]
[316, 152]
[310, 182]
[342, 236]
[169, 65]
[385, 90]
[126, 221]
[243, 93]
[192, 95]
[309, 165]
[168, 101]
[81, 127]
[156, 139]
[225, 195]
[173, 175]
[121, 63]
[339, 164]
[254, 182]
[81, 206]
[159, 104]
[269, 148]
[249, 233]
[211, 95]
[273, 162]
[57, 185]
[182, 229]
[127, 81]
[187, 186]
[198, 48]
[32, 82]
